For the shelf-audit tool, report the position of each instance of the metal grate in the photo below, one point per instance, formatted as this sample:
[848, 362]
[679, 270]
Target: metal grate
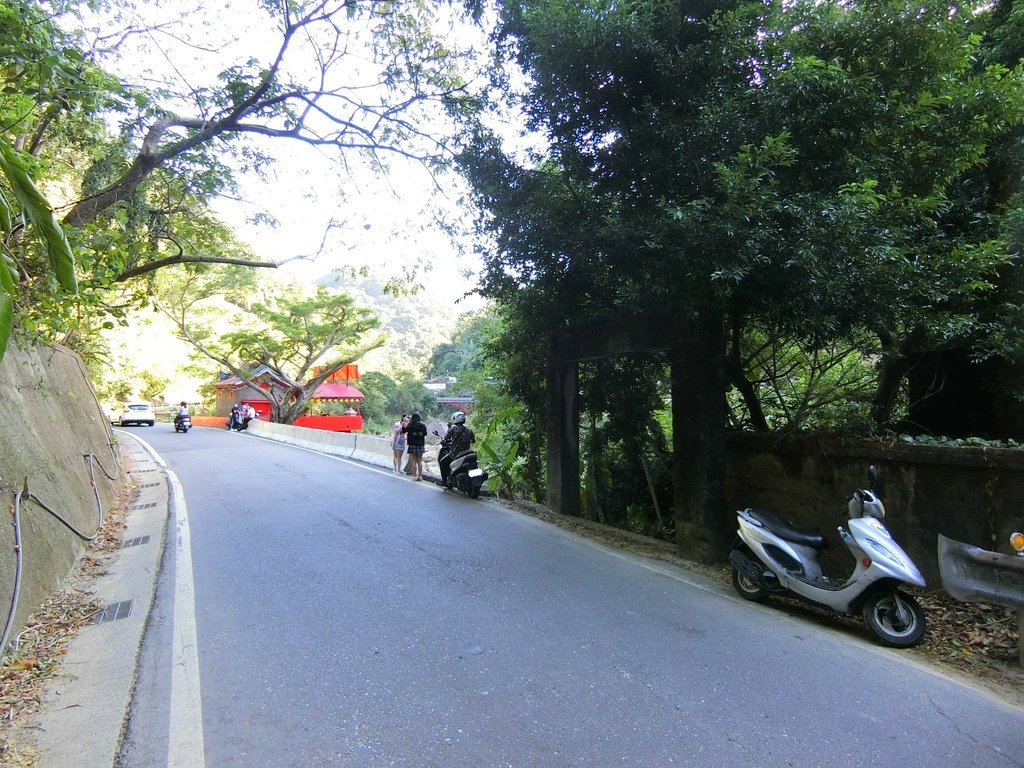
[142, 506]
[149, 485]
[115, 611]
[135, 542]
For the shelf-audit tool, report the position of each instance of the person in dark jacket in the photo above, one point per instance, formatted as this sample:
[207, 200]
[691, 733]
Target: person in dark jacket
[457, 440]
[416, 432]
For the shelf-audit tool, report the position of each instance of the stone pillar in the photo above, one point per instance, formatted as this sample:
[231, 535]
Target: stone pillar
[563, 434]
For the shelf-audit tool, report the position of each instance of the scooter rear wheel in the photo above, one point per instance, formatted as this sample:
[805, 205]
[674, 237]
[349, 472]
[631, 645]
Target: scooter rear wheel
[894, 618]
[746, 587]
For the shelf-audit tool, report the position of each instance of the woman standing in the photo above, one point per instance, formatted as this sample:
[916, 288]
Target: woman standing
[398, 441]
[416, 432]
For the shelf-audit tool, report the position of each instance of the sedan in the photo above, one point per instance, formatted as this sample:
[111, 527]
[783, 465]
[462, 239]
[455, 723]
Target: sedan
[137, 413]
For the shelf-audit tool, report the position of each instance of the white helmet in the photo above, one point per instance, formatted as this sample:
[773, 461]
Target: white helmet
[458, 418]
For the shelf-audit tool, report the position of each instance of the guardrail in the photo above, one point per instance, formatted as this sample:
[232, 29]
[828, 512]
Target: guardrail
[974, 575]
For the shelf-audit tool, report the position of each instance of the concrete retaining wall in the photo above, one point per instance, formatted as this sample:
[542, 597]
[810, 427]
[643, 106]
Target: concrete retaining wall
[366, 448]
[50, 419]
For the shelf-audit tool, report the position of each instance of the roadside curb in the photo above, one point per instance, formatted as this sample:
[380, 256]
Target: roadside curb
[86, 704]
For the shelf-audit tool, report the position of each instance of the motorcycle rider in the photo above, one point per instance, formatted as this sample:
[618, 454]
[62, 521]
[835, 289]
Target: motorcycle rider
[455, 441]
[182, 411]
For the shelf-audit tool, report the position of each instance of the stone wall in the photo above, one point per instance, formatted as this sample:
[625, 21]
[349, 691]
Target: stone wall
[50, 420]
[971, 494]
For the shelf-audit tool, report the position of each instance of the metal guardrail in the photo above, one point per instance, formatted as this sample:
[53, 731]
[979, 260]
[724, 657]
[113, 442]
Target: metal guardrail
[974, 575]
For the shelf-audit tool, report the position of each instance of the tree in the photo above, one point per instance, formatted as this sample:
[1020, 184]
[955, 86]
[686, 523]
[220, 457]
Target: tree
[301, 340]
[308, 90]
[464, 352]
[178, 148]
[788, 167]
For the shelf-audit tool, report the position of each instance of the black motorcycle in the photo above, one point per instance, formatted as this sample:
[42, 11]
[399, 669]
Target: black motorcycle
[182, 423]
[464, 474]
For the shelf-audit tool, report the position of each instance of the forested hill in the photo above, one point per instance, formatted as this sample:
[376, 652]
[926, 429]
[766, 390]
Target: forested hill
[415, 324]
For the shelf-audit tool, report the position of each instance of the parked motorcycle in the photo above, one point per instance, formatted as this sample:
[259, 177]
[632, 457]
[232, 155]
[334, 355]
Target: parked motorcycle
[772, 556]
[465, 474]
[182, 423]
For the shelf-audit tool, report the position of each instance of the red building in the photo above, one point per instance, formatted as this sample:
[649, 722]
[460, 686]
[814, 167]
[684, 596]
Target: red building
[232, 390]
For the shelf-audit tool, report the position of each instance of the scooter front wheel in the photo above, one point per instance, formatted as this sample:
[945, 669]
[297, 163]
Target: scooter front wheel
[746, 587]
[894, 618]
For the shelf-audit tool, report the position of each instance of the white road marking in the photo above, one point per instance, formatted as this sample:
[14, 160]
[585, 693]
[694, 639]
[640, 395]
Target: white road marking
[185, 741]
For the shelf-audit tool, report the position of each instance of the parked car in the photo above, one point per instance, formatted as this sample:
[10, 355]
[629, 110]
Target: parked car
[136, 413]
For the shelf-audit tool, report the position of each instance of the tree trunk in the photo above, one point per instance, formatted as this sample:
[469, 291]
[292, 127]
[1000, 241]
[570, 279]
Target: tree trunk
[653, 491]
[892, 369]
[739, 379]
[698, 437]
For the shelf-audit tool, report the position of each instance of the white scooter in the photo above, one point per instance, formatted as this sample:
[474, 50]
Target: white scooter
[771, 555]
[464, 474]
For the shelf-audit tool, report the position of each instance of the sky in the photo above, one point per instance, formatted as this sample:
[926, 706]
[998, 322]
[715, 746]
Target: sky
[383, 224]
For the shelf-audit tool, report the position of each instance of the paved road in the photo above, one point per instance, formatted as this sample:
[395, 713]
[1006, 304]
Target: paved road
[348, 617]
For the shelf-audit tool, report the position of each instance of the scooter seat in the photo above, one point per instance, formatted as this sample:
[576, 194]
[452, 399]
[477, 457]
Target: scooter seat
[787, 531]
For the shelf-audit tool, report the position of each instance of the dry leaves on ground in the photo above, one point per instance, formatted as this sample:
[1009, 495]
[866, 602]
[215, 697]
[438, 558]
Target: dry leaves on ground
[35, 655]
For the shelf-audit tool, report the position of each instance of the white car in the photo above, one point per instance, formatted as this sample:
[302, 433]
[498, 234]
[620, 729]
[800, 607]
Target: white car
[136, 413]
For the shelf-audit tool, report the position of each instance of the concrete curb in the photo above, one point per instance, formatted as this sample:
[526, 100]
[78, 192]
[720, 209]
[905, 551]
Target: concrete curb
[77, 726]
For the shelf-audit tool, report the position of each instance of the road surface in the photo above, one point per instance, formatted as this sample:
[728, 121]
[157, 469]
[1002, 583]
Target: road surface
[343, 616]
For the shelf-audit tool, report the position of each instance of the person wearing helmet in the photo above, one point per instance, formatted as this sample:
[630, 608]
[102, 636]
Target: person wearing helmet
[456, 441]
[182, 411]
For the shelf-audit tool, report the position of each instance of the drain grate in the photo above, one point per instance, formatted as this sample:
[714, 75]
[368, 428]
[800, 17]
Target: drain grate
[115, 611]
[149, 485]
[142, 506]
[135, 542]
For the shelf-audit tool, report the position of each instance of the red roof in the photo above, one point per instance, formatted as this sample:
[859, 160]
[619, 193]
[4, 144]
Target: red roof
[327, 391]
[336, 391]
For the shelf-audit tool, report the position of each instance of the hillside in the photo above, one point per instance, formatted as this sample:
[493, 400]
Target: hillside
[147, 359]
[415, 324]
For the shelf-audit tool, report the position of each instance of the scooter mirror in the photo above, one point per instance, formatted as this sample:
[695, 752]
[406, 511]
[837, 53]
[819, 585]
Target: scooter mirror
[865, 504]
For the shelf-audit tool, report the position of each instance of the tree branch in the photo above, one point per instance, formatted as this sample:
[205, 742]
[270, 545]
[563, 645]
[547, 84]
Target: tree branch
[194, 259]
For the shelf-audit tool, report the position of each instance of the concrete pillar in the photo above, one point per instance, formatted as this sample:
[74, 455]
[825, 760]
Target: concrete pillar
[563, 437]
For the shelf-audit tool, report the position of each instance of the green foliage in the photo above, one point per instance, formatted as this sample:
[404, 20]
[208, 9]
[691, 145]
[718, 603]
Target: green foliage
[500, 446]
[465, 352]
[821, 181]
[800, 387]
[301, 336]
[142, 192]
[387, 399]
[37, 210]
[959, 442]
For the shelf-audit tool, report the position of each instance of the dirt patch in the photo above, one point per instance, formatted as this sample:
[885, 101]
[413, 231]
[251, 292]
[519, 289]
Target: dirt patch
[973, 642]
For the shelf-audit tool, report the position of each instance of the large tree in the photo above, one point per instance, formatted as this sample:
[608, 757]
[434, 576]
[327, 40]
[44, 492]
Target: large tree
[740, 162]
[302, 337]
[373, 78]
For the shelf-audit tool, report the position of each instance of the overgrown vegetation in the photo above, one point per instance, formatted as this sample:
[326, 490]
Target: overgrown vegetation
[827, 195]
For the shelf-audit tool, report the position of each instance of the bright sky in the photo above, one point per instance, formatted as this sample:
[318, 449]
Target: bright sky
[382, 223]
